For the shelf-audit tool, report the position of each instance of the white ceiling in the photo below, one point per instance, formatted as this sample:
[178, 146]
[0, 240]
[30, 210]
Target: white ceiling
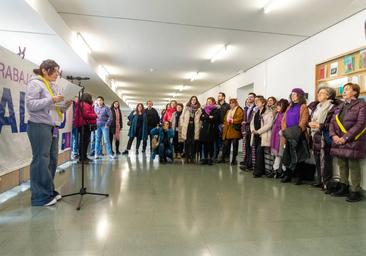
[175, 38]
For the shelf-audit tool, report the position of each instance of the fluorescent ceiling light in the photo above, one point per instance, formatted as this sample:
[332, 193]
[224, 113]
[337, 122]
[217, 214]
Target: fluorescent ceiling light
[181, 88]
[103, 72]
[83, 42]
[195, 76]
[276, 4]
[220, 53]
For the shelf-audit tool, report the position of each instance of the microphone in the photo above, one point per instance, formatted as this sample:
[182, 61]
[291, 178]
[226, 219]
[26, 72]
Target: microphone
[78, 78]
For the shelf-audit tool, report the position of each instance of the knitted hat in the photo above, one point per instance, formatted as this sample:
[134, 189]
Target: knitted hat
[299, 91]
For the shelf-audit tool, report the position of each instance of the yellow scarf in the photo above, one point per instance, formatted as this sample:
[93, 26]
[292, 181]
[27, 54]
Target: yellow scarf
[58, 110]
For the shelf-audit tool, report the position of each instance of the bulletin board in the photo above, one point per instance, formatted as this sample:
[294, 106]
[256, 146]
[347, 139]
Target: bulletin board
[336, 72]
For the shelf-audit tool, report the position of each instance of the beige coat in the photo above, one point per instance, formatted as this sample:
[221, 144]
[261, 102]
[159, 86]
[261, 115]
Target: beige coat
[184, 121]
[265, 131]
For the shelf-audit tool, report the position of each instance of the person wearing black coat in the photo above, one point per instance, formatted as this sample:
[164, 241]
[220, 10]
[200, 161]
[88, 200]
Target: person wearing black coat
[116, 126]
[223, 107]
[209, 132]
[153, 120]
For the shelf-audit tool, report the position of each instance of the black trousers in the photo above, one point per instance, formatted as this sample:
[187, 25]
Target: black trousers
[111, 136]
[130, 141]
[260, 166]
[327, 174]
[190, 149]
[248, 152]
[144, 144]
[84, 142]
[178, 146]
[208, 150]
[227, 147]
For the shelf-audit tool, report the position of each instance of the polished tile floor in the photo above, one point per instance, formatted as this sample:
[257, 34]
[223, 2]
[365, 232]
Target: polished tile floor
[181, 210]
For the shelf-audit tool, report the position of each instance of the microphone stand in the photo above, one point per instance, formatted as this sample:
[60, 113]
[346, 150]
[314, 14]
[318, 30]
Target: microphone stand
[83, 190]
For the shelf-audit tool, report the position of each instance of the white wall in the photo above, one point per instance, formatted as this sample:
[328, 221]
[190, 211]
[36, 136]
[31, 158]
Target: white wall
[295, 67]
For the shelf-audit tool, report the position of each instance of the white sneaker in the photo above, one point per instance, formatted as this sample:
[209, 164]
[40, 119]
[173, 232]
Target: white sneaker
[112, 156]
[58, 197]
[52, 202]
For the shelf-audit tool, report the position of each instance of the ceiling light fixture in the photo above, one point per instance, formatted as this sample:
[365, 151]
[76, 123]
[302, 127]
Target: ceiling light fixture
[195, 76]
[220, 53]
[181, 88]
[103, 72]
[271, 5]
[83, 42]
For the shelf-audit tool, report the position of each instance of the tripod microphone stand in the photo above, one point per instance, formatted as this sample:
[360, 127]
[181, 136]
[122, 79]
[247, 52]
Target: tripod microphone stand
[83, 190]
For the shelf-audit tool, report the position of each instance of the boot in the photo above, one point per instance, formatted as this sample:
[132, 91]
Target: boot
[222, 160]
[117, 148]
[354, 197]
[286, 177]
[342, 191]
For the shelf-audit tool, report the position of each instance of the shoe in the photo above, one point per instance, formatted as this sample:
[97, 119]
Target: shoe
[286, 177]
[57, 195]
[210, 162]
[234, 162]
[97, 157]
[137, 152]
[299, 182]
[243, 168]
[169, 160]
[222, 161]
[204, 161]
[242, 163]
[256, 176]
[112, 157]
[317, 185]
[354, 197]
[125, 152]
[342, 191]
[118, 153]
[270, 175]
[52, 202]
[143, 151]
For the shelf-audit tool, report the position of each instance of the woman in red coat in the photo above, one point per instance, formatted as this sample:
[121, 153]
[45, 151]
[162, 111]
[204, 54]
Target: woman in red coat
[348, 132]
[170, 111]
[88, 120]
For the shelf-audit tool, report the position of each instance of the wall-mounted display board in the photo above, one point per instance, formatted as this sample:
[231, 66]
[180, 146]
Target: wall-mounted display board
[348, 67]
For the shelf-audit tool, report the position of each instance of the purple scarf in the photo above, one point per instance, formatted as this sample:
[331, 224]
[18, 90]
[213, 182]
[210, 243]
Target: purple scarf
[276, 138]
[209, 108]
[293, 115]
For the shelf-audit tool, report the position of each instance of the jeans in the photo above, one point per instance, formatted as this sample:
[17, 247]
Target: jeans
[44, 162]
[102, 131]
[75, 141]
[165, 152]
[144, 144]
[92, 143]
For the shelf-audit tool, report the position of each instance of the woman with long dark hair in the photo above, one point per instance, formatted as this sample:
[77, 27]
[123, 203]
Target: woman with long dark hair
[191, 126]
[209, 131]
[116, 126]
[138, 127]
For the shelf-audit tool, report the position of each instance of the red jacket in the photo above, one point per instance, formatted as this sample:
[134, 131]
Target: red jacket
[168, 114]
[90, 117]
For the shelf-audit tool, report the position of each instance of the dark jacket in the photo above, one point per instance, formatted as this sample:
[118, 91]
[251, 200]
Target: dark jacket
[296, 150]
[323, 131]
[354, 122]
[247, 119]
[152, 116]
[133, 118]
[222, 109]
[209, 131]
[112, 128]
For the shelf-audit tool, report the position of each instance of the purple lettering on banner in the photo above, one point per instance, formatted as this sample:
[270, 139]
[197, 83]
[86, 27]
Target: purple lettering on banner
[15, 74]
[8, 73]
[21, 77]
[2, 67]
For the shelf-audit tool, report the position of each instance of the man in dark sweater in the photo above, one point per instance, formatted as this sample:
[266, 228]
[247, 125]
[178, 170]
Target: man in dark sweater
[153, 120]
[223, 108]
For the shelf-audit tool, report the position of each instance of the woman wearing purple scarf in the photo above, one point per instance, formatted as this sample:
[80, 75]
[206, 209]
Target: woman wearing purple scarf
[276, 142]
[209, 132]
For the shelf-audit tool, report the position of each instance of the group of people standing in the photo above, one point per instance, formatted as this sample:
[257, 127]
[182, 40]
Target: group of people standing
[279, 138]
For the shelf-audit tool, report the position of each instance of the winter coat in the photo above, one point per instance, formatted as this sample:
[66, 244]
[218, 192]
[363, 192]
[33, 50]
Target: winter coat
[133, 118]
[265, 132]
[222, 111]
[168, 114]
[90, 117]
[304, 118]
[276, 141]
[177, 126]
[209, 130]
[104, 115]
[112, 128]
[184, 121]
[153, 118]
[354, 122]
[233, 131]
[323, 132]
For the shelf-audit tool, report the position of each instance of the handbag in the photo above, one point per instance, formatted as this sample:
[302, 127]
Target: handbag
[155, 142]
